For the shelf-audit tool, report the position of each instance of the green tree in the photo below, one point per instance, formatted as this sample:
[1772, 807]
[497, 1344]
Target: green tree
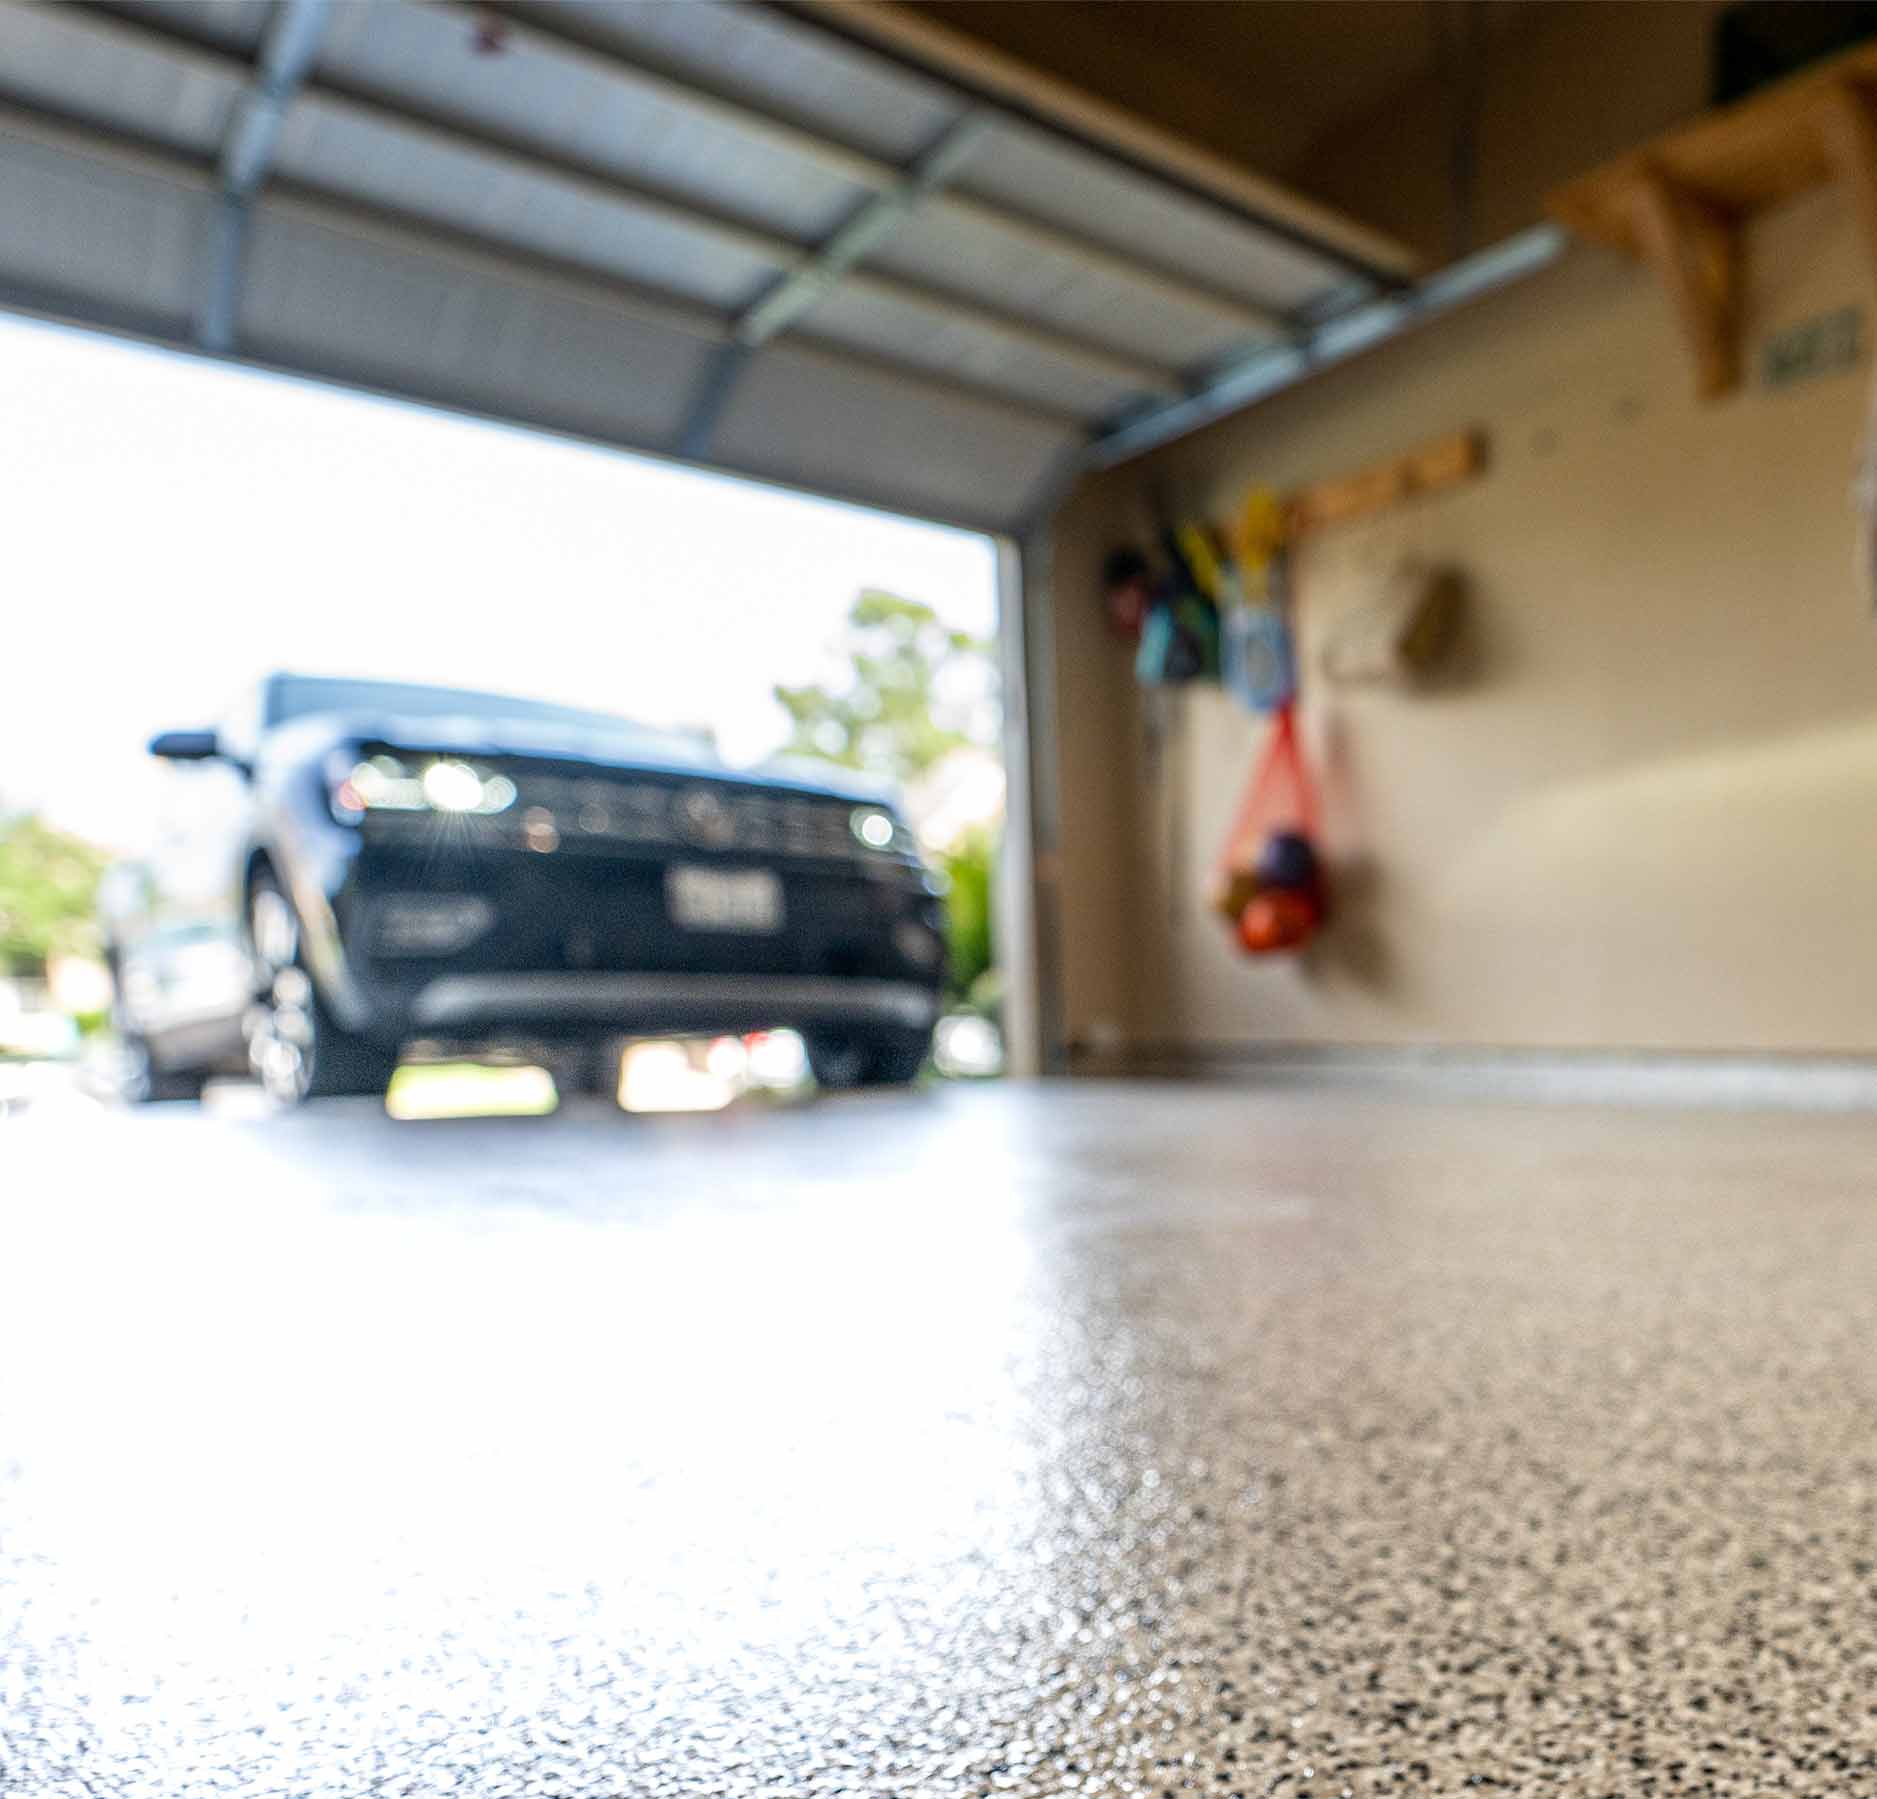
[891, 714]
[48, 892]
[911, 692]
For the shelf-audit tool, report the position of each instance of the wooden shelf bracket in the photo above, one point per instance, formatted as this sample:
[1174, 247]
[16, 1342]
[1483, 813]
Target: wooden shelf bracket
[1681, 201]
[1847, 130]
[1695, 253]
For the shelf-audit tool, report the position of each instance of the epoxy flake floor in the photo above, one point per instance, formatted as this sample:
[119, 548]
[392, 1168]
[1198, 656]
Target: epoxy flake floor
[1094, 1440]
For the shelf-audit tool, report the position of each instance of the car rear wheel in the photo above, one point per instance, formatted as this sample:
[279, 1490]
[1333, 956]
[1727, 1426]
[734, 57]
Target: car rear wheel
[869, 1059]
[296, 1047]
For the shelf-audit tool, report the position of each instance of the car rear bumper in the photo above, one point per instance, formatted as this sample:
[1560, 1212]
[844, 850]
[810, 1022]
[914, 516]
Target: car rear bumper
[455, 1004]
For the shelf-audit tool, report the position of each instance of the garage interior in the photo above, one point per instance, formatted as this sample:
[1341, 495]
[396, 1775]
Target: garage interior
[1038, 270]
[1348, 1424]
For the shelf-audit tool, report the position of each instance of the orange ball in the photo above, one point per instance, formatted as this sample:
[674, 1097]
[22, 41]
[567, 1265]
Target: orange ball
[1277, 919]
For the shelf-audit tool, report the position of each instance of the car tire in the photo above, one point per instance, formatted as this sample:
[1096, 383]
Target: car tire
[142, 1081]
[589, 1072]
[870, 1059]
[296, 1048]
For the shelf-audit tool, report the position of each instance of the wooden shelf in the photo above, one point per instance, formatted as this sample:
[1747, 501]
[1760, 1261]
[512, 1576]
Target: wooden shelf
[1427, 468]
[1678, 203]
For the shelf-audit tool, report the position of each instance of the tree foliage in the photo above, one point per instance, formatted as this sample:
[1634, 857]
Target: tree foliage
[892, 714]
[48, 894]
[970, 874]
[911, 691]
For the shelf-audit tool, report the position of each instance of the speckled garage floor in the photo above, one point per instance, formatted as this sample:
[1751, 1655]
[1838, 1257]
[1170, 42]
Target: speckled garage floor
[1095, 1440]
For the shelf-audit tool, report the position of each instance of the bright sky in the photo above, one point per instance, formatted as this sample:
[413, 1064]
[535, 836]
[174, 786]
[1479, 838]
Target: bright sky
[174, 528]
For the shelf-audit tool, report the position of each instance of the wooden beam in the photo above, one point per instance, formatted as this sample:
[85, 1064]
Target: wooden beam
[1695, 252]
[1847, 128]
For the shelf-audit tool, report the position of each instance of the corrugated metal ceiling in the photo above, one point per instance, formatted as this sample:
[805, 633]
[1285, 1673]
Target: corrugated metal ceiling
[567, 213]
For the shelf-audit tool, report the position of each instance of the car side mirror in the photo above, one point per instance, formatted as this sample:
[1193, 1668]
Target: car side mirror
[185, 746]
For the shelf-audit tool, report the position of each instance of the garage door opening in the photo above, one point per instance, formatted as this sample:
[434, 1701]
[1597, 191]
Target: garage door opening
[185, 530]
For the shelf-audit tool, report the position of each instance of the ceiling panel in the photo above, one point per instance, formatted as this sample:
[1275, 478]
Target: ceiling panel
[817, 422]
[1113, 204]
[560, 213]
[323, 298]
[53, 57]
[106, 237]
[796, 72]
[924, 340]
[335, 149]
[1022, 277]
[558, 100]
[233, 24]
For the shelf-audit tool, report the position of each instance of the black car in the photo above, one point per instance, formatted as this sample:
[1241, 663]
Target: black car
[366, 867]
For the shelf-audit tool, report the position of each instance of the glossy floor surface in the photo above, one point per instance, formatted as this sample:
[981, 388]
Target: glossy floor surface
[1087, 1440]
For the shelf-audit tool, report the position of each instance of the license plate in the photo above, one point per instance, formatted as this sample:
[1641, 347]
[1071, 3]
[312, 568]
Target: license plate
[716, 899]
